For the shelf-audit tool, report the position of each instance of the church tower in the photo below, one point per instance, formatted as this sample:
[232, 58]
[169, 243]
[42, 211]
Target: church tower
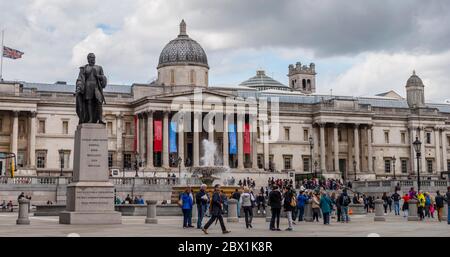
[302, 78]
[415, 91]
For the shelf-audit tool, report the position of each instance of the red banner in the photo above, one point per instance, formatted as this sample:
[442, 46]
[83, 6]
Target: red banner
[157, 136]
[247, 138]
[135, 133]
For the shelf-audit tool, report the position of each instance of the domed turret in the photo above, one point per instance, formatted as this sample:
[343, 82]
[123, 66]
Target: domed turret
[415, 91]
[183, 61]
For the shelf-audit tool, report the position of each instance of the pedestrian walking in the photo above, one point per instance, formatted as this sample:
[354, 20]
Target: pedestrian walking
[439, 199]
[202, 200]
[405, 206]
[216, 211]
[326, 205]
[421, 205]
[186, 206]
[275, 206]
[344, 201]
[289, 204]
[246, 200]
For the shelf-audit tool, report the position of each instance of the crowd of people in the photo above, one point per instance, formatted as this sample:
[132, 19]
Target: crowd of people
[138, 199]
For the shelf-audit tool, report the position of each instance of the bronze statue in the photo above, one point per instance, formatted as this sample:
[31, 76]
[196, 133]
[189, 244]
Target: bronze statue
[89, 92]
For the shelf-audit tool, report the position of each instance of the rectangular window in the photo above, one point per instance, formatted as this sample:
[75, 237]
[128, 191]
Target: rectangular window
[386, 137]
[172, 77]
[271, 164]
[430, 166]
[41, 127]
[20, 158]
[387, 166]
[110, 159]
[260, 161]
[404, 166]
[22, 127]
[65, 127]
[286, 134]
[448, 165]
[128, 128]
[448, 142]
[287, 162]
[127, 161]
[66, 159]
[339, 135]
[306, 164]
[428, 137]
[305, 135]
[41, 159]
[109, 125]
[403, 137]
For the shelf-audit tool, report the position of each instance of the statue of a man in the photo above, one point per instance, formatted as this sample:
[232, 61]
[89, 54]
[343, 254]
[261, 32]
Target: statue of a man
[89, 92]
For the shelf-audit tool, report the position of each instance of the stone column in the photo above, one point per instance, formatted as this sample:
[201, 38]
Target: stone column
[166, 140]
[225, 142]
[150, 140]
[151, 212]
[254, 141]
[437, 148]
[196, 148]
[240, 139]
[142, 136]
[356, 142]
[379, 213]
[369, 149]
[412, 210]
[413, 161]
[119, 140]
[444, 150]
[422, 151]
[336, 147]
[322, 147]
[15, 133]
[32, 146]
[23, 212]
[138, 122]
[211, 130]
[265, 139]
[232, 211]
[181, 142]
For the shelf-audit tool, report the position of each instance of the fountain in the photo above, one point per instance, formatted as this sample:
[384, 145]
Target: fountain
[207, 173]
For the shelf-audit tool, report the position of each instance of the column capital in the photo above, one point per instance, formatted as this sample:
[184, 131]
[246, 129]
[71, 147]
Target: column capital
[356, 125]
[319, 124]
[15, 113]
[149, 111]
[119, 115]
[336, 124]
[33, 114]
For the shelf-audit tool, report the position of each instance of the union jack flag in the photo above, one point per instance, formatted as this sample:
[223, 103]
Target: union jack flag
[12, 53]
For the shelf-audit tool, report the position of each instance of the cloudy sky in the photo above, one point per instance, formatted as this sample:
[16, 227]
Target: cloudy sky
[359, 47]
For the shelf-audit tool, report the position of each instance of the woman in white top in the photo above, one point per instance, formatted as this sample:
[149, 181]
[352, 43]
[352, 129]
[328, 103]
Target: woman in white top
[246, 201]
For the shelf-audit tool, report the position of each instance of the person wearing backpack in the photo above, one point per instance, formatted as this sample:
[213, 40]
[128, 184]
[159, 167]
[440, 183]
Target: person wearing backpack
[427, 204]
[289, 203]
[325, 206]
[344, 201]
[246, 200]
[396, 198]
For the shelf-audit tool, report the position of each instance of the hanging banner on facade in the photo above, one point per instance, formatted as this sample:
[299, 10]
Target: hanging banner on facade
[157, 136]
[173, 137]
[247, 138]
[135, 133]
[232, 138]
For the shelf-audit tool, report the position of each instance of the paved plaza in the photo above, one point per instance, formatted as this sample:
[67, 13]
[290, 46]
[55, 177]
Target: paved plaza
[360, 226]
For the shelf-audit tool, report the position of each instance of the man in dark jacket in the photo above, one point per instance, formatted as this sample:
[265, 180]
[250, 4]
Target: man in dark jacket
[237, 196]
[275, 205]
[439, 199]
[344, 201]
[396, 198]
[289, 204]
[202, 200]
[216, 211]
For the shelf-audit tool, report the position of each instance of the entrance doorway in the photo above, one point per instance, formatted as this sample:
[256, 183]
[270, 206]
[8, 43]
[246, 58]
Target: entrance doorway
[343, 168]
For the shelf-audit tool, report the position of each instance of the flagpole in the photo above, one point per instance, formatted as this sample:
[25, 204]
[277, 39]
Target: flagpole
[1, 65]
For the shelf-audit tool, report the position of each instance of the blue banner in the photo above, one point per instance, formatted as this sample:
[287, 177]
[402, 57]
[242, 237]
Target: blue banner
[173, 137]
[232, 138]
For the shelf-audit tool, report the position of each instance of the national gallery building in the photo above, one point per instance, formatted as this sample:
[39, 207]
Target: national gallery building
[258, 126]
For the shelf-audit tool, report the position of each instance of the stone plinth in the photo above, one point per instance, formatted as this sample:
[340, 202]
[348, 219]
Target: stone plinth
[232, 211]
[151, 212]
[308, 211]
[23, 212]
[412, 210]
[90, 196]
[379, 212]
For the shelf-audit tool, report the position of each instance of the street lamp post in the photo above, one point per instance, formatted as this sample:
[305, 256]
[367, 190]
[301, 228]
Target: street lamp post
[393, 165]
[136, 164]
[417, 144]
[311, 145]
[354, 168]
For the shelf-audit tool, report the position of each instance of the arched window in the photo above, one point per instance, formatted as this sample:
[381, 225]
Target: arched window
[293, 83]
[308, 82]
[304, 84]
[172, 77]
[206, 78]
[192, 77]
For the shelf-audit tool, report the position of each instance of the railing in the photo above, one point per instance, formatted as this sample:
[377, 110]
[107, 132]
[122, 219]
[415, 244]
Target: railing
[383, 185]
[408, 183]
